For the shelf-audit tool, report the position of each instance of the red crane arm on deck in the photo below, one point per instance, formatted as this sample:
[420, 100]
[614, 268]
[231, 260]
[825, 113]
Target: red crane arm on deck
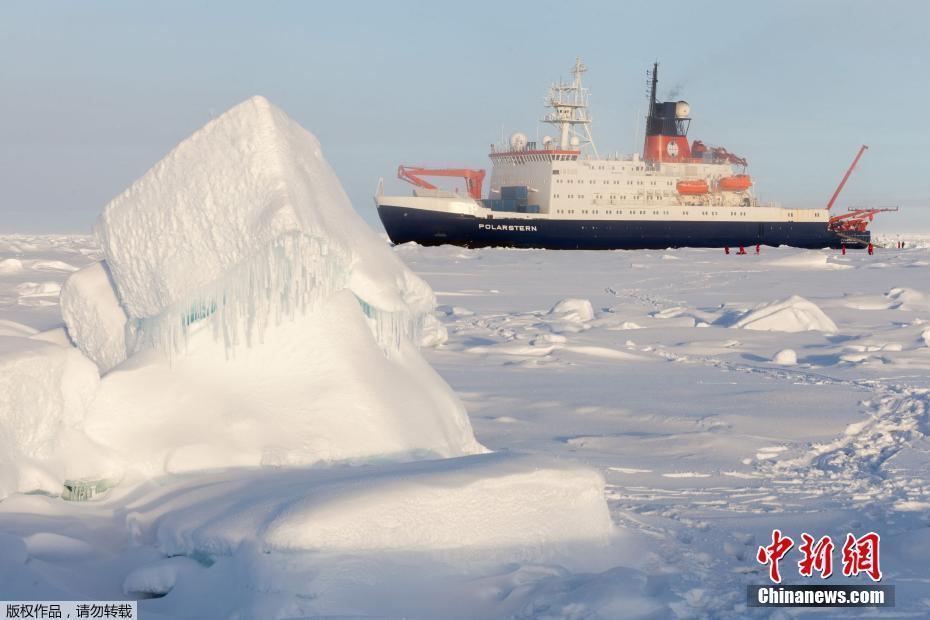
[730, 158]
[473, 178]
[719, 153]
[857, 219]
[839, 187]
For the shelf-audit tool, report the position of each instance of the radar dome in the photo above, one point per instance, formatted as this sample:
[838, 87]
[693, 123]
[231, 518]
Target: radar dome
[547, 140]
[575, 141]
[682, 109]
[518, 141]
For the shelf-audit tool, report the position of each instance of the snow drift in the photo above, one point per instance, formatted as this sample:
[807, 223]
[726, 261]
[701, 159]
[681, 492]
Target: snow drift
[811, 260]
[45, 390]
[10, 265]
[12, 328]
[785, 357]
[901, 298]
[573, 310]
[318, 388]
[794, 314]
[480, 502]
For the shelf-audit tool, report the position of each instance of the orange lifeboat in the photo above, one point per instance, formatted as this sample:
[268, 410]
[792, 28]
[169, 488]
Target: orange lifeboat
[692, 188]
[738, 183]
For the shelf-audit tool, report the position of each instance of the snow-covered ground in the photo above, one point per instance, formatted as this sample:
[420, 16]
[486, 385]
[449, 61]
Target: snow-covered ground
[719, 396]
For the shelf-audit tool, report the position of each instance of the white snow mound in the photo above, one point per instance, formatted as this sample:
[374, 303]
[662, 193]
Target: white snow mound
[573, 310]
[317, 389]
[794, 314]
[432, 332]
[45, 391]
[525, 506]
[95, 320]
[786, 357]
[10, 265]
[807, 260]
[901, 298]
[160, 576]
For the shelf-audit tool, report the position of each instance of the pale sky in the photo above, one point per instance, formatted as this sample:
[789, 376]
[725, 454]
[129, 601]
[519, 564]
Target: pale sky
[93, 93]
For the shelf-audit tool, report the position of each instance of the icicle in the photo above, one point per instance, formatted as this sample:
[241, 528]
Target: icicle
[287, 279]
[391, 329]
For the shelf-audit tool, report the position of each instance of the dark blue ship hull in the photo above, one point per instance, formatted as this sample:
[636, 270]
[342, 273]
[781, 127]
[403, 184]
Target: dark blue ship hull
[404, 224]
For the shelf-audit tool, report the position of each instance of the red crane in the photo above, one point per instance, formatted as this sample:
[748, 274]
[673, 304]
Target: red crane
[839, 187]
[856, 219]
[473, 178]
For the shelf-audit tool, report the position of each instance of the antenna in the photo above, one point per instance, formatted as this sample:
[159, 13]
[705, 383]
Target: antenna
[569, 103]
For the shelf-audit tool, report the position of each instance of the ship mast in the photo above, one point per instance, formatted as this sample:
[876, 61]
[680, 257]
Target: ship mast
[569, 103]
[654, 79]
